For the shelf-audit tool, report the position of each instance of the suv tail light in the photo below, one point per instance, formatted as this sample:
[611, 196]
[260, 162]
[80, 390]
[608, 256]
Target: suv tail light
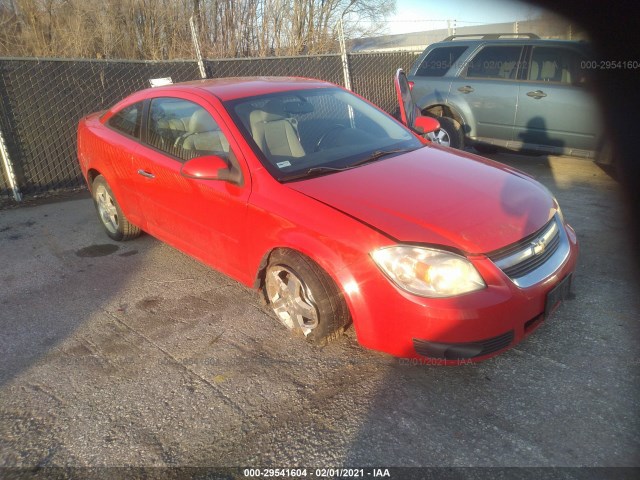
[411, 85]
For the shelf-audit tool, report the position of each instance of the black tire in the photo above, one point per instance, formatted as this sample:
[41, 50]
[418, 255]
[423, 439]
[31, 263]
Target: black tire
[318, 293]
[451, 129]
[109, 212]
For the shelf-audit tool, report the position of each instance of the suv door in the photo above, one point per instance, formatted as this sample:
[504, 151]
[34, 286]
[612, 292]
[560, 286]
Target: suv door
[486, 92]
[430, 74]
[556, 112]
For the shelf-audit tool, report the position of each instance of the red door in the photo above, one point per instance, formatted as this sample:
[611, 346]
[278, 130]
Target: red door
[204, 218]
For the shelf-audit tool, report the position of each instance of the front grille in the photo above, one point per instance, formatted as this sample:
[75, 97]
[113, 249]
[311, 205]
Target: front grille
[529, 254]
[533, 262]
[461, 351]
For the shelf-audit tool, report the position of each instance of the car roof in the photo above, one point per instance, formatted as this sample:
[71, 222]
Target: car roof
[511, 41]
[240, 87]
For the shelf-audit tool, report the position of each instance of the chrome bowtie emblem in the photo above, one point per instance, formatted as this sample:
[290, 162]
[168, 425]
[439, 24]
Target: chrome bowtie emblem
[538, 246]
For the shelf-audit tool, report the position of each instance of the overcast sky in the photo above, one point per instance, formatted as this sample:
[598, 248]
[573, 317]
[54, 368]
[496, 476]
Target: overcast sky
[420, 15]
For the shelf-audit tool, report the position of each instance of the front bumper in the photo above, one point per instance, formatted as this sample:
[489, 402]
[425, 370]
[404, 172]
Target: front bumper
[467, 328]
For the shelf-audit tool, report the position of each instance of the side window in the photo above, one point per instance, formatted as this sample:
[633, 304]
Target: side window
[184, 130]
[128, 120]
[438, 61]
[499, 62]
[558, 65]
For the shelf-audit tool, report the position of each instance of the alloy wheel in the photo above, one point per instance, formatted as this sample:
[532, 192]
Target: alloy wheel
[107, 209]
[290, 299]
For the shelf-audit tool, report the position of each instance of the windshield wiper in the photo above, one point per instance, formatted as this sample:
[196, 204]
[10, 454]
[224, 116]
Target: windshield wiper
[312, 172]
[315, 171]
[378, 154]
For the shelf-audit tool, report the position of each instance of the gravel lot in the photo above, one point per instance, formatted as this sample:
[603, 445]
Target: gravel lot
[135, 354]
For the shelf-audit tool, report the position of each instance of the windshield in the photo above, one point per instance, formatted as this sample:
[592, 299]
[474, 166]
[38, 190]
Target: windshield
[303, 133]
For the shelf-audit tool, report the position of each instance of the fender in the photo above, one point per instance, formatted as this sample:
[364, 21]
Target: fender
[332, 264]
[106, 163]
[441, 98]
[340, 255]
[431, 99]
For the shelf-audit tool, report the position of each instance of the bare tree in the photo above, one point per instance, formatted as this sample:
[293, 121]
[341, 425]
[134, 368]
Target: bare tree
[159, 29]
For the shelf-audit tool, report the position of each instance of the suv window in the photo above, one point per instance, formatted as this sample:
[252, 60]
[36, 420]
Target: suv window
[560, 65]
[499, 62]
[439, 60]
[184, 130]
[128, 120]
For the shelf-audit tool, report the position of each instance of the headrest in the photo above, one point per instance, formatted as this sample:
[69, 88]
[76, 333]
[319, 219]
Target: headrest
[271, 112]
[201, 122]
[276, 109]
[548, 70]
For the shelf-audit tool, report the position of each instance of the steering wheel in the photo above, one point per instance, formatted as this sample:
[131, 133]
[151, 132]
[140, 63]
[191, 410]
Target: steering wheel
[337, 126]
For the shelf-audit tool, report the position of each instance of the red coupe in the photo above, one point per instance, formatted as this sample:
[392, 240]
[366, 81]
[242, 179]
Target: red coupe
[335, 212]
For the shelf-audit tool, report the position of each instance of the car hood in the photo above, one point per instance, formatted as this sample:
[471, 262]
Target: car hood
[433, 195]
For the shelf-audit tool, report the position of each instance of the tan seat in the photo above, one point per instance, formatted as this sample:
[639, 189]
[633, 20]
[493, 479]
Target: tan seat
[177, 125]
[273, 131]
[165, 128]
[204, 135]
[548, 71]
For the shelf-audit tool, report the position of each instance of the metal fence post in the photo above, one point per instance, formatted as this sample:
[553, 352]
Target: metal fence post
[8, 170]
[196, 45]
[345, 59]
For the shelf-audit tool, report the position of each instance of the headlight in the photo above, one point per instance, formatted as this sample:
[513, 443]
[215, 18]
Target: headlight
[556, 203]
[428, 272]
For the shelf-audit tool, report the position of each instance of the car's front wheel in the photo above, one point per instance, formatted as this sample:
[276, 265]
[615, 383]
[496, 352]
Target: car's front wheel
[109, 212]
[449, 135]
[304, 297]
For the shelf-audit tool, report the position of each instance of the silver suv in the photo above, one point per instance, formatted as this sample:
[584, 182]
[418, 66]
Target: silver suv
[503, 90]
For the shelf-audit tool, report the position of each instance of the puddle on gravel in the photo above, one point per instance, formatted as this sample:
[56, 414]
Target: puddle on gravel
[101, 250]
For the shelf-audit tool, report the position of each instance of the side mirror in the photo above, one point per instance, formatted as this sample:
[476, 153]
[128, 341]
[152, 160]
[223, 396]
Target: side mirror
[426, 124]
[211, 167]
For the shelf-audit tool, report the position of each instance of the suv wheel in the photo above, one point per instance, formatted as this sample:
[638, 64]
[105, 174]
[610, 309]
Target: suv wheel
[449, 135]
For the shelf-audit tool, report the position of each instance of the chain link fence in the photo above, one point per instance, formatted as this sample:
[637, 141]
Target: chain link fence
[41, 102]
[372, 76]
[323, 67]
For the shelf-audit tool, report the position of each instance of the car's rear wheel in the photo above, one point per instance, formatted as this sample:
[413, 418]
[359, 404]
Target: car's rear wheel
[449, 135]
[109, 212]
[304, 297]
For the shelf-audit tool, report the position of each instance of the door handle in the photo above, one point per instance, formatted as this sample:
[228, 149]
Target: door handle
[144, 173]
[538, 94]
[466, 89]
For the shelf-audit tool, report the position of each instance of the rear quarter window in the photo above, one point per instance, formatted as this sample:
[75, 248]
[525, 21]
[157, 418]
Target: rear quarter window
[439, 60]
[557, 65]
[128, 120]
